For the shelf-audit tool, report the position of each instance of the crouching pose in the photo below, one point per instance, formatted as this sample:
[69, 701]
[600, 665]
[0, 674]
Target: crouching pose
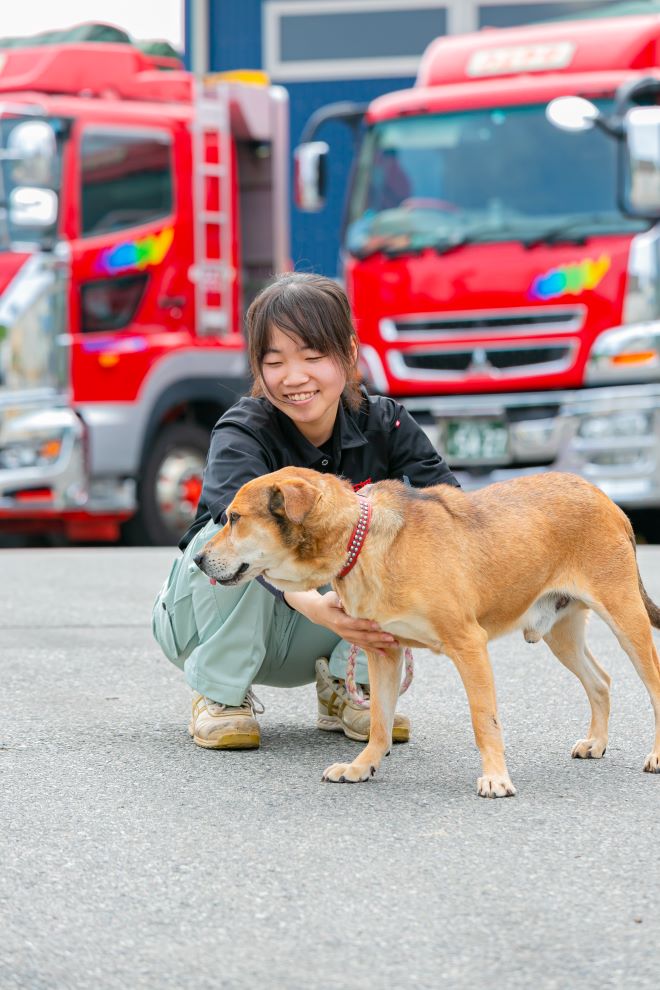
[307, 409]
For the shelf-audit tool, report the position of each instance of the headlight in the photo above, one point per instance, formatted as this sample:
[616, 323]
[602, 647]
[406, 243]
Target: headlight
[36, 438]
[625, 354]
[34, 453]
[616, 424]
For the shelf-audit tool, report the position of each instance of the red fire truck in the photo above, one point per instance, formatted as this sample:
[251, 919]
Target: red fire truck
[501, 287]
[139, 214]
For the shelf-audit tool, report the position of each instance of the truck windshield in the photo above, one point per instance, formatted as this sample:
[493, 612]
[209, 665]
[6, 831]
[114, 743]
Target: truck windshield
[28, 162]
[445, 180]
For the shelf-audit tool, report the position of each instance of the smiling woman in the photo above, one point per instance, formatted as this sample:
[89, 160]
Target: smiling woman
[304, 384]
[307, 409]
[303, 352]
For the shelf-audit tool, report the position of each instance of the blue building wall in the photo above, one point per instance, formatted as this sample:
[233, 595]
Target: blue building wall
[235, 41]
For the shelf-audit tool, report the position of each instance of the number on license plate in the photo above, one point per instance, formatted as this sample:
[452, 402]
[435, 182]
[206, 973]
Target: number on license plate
[466, 440]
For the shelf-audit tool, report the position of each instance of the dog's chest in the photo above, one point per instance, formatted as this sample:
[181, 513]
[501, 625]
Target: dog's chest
[409, 628]
[414, 628]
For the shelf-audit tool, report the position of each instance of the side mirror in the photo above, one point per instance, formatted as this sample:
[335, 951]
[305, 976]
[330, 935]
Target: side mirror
[310, 175]
[32, 207]
[641, 197]
[33, 147]
[572, 113]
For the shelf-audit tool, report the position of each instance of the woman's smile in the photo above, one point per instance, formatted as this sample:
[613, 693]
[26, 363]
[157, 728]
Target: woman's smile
[300, 398]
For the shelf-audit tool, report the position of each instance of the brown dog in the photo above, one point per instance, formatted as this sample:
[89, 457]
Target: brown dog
[449, 571]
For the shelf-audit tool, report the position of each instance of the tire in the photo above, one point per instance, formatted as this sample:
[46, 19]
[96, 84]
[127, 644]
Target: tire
[169, 486]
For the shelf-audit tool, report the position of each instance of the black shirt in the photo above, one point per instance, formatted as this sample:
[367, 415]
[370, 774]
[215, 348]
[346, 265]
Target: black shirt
[378, 441]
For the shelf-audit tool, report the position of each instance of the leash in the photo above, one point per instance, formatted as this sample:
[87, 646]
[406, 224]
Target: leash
[353, 689]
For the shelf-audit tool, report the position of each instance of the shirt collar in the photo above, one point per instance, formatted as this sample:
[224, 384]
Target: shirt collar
[345, 434]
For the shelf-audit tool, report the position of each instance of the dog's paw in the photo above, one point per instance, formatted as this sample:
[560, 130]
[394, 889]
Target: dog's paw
[348, 773]
[495, 787]
[652, 764]
[589, 749]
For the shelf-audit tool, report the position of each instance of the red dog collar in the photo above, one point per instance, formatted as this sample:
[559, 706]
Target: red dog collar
[358, 536]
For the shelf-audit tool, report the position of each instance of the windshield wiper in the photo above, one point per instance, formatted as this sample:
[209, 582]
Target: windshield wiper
[454, 242]
[401, 251]
[448, 244]
[562, 232]
[481, 235]
[389, 250]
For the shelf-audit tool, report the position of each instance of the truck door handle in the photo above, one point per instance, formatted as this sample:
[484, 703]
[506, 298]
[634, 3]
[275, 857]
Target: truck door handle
[172, 302]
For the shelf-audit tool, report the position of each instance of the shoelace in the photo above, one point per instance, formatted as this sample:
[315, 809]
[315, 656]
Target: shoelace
[341, 690]
[250, 704]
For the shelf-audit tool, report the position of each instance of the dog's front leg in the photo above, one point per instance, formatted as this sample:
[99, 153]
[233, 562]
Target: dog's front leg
[384, 684]
[473, 663]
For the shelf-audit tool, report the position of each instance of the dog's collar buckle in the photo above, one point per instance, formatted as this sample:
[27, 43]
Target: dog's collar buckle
[358, 536]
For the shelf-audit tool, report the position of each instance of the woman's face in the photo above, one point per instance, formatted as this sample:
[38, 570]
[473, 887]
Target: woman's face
[303, 384]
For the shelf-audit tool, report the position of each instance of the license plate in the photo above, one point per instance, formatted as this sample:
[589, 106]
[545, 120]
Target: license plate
[476, 441]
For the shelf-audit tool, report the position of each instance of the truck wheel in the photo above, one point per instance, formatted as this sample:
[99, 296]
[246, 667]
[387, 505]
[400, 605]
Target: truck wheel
[169, 486]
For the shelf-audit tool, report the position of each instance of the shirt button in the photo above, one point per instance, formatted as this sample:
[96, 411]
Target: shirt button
[325, 462]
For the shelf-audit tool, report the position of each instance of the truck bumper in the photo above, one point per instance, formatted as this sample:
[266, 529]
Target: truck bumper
[608, 435]
[44, 477]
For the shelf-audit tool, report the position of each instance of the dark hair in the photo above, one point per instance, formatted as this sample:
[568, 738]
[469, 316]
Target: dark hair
[316, 310]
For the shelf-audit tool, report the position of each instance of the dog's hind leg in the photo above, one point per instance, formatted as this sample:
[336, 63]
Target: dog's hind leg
[384, 684]
[566, 639]
[470, 656]
[627, 617]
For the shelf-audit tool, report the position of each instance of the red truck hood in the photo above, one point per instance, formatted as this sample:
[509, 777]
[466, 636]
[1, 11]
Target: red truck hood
[488, 317]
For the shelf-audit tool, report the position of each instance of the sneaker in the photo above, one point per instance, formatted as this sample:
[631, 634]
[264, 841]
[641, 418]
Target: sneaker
[217, 726]
[337, 713]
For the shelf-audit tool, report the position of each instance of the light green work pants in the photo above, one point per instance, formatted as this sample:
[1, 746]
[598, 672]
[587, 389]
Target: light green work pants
[226, 639]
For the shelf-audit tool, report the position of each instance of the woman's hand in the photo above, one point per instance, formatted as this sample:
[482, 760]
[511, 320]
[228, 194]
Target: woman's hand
[326, 610]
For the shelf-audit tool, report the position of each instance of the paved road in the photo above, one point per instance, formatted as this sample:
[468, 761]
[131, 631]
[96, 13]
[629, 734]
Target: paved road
[130, 858]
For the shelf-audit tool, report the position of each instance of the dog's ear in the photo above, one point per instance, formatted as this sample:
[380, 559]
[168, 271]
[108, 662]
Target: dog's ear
[295, 499]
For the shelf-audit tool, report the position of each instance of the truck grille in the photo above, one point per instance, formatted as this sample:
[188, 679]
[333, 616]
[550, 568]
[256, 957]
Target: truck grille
[519, 322]
[515, 360]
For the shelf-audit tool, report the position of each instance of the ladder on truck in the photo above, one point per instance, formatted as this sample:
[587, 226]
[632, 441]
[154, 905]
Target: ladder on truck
[213, 271]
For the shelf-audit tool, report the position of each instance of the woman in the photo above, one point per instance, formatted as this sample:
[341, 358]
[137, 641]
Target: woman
[307, 409]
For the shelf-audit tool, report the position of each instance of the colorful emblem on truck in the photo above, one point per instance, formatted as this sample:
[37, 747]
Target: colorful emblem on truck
[570, 280]
[136, 254]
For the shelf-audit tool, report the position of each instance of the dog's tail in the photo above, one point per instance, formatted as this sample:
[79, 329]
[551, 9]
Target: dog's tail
[652, 609]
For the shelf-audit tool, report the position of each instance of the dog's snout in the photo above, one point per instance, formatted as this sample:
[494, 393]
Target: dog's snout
[199, 559]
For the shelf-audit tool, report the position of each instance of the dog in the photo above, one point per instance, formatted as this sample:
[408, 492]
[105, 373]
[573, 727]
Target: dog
[447, 570]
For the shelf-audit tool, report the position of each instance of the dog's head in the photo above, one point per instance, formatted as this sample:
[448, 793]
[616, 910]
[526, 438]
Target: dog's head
[270, 531]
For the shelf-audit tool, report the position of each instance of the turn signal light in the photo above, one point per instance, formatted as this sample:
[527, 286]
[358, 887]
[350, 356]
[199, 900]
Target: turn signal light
[640, 357]
[50, 450]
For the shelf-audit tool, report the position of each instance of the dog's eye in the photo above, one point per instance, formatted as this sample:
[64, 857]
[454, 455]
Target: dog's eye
[233, 518]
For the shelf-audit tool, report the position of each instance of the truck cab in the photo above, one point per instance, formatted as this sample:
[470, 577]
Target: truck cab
[491, 262]
[122, 340]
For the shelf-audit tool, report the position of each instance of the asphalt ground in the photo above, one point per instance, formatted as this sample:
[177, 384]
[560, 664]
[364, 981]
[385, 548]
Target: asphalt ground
[130, 858]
